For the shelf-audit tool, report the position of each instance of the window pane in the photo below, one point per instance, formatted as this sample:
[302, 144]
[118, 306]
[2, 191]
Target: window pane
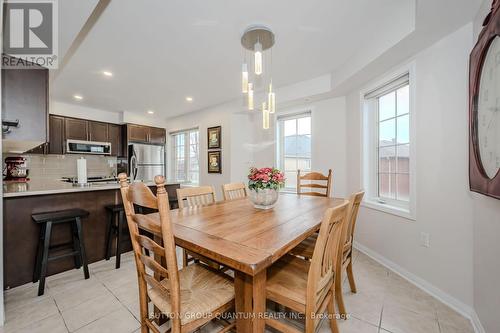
[304, 125]
[403, 187]
[403, 159]
[403, 95]
[387, 186]
[387, 132]
[291, 145]
[291, 179]
[387, 106]
[290, 127]
[304, 164]
[404, 129]
[304, 146]
[290, 164]
[387, 159]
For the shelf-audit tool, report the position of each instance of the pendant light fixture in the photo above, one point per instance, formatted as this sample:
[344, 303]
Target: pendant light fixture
[244, 78]
[257, 40]
[250, 96]
[265, 116]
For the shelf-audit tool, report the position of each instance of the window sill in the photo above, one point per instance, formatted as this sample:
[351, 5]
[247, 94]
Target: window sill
[389, 209]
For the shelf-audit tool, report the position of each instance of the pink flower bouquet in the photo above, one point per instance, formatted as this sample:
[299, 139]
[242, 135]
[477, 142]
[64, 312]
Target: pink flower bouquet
[265, 178]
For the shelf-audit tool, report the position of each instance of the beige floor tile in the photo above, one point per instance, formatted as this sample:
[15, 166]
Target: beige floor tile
[452, 321]
[67, 280]
[81, 292]
[400, 320]
[90, 311]
[119, 321]
[52, 324]
[364, 306]
[23, 295]
[454, 328]
[354, 325]
[32, 312]
[127, 293]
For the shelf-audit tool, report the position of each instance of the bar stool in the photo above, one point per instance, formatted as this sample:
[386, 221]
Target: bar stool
[47, 220]
[115, 213]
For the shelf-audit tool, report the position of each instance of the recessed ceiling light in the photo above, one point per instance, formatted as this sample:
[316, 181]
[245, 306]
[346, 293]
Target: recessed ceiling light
[189, 99]
[78, 97]
[151, 112]
[107, 73]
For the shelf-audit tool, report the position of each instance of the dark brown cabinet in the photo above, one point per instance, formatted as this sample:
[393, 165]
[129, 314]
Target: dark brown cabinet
[56, 135]
[137, 133]
[98, 131]
[157, 135]
[146, 134]
[115, 137]
[76, 129]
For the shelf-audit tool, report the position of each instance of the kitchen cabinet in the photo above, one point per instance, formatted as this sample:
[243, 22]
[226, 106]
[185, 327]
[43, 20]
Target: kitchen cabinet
[146, 134]
[56, 135]
[115, 137]
[98, 131]
[157, 135]
[76, 129]
[137, 133]
[25, 99]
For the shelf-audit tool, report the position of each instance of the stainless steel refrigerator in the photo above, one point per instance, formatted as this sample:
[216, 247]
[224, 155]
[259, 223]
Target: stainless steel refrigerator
[146, 161]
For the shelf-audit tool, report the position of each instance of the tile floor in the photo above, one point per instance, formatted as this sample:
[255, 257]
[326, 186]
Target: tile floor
[108, 302]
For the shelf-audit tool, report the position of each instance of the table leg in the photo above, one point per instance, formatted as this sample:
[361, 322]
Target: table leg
[250, 301]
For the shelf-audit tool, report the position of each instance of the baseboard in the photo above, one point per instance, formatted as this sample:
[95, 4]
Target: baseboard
[432, 290]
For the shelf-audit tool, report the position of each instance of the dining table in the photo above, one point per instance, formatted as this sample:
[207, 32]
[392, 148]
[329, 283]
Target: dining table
[247, 240]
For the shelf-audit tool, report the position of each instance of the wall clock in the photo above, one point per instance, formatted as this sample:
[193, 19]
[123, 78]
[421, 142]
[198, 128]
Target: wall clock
[484, 108]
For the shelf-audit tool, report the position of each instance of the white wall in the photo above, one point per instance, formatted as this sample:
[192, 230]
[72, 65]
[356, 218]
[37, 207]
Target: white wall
[444, 203]
[80, 111]
[486, 222]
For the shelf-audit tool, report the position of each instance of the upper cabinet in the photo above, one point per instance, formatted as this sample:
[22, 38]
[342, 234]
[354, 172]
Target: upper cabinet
[56, 135]
[115, 137]
[25, 100]
[98, 131]
[76, 129]
[146, 134]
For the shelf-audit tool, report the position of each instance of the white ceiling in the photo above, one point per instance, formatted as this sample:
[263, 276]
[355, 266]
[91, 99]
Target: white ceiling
[162, 51]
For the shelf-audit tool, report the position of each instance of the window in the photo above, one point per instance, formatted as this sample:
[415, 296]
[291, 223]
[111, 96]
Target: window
[185, 152]
[387, 146]
[294, 147]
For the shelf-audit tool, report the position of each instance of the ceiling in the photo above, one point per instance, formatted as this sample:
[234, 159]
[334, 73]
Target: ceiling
[160, 52]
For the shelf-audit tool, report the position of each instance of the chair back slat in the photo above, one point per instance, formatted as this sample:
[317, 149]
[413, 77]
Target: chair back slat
[354, 203]
[234, 191]
[138, 194]
[311, 181]
[326, 257]
[196, 196]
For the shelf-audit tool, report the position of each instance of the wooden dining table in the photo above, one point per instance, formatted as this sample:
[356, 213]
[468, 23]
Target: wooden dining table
[248, 240]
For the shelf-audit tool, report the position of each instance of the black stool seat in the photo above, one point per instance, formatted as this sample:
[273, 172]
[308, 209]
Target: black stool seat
[47, 220]
[59, 216]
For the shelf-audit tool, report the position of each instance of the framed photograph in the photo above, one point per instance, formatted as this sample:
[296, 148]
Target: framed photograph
[215, 162]
[214, 137]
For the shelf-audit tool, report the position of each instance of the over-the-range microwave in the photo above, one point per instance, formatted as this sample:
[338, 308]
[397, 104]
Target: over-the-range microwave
[88, 147]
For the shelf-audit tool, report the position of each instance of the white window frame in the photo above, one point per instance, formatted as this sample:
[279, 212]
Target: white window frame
[280, 134]
[369, 141]
[187, 146]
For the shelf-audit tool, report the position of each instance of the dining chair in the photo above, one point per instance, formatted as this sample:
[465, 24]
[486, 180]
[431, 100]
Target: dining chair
[306, 249]
[190, 297]
[196, 197]
[234, 191]
[308, 287]
[321, 189]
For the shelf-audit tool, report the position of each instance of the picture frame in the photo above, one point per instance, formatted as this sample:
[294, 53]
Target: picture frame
[214, 161]
[214, 137]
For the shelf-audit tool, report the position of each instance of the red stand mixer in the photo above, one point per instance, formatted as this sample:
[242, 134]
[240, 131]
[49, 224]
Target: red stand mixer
[16, 169]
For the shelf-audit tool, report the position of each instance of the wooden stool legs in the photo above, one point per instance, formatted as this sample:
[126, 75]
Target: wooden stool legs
[81, 244]
[45, 258]
[112, 231]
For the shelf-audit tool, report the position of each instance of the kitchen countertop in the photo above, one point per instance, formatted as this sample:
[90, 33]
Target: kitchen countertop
[44, 187]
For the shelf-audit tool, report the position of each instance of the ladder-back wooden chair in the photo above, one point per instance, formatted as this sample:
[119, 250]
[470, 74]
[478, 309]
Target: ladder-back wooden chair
[189, 297]
[319, 184]
[234, 191]
[308, 287]
[196, 197]
[306, 249]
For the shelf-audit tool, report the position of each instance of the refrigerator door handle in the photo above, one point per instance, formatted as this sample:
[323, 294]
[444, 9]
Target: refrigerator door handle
[133, 167]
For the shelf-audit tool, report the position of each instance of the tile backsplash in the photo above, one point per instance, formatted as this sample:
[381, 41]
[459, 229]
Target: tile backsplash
[49, 167]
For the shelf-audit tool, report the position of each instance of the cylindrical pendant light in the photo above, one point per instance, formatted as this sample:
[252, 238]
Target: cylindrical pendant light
[250, 96]
[265, 116]
[244, 78]
[271, 99]
[258, 58]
